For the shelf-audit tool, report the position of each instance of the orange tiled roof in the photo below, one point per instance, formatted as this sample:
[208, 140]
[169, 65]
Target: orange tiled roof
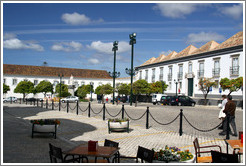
[53, 71]
[235, 40]
[187, 51]
[160, 58]
[151, 60]
[171, 55]
[206, 47]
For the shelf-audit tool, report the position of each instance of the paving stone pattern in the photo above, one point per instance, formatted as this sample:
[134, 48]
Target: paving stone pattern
[19, 147]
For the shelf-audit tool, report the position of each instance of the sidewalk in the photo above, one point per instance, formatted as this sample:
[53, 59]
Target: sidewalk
[78, 129]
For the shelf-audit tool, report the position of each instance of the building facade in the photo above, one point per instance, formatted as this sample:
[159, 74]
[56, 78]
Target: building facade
[182, 71]
[13, 74]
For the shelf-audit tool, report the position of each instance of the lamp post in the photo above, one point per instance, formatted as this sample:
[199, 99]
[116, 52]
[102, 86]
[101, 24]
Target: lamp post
[176, 82]
[114, 74]
[131, 71]
[60, 75]
[91, 83]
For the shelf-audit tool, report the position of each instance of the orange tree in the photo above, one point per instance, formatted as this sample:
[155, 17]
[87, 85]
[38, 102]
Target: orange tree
[158, 87]
[140, 87]
[204, 85]
[232, 85]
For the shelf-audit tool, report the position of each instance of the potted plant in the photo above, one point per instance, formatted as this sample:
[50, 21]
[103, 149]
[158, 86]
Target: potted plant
[45, 126]
[118, 125]
[173, 154]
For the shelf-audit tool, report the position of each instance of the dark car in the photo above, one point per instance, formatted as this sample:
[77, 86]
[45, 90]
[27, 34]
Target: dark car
[33, 99]
[165, 100]
[182, 100]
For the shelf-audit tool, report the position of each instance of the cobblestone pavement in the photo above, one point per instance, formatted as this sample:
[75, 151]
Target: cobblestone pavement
[78, 129]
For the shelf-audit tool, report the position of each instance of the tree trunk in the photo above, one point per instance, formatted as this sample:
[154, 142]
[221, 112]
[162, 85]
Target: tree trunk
[136, 101]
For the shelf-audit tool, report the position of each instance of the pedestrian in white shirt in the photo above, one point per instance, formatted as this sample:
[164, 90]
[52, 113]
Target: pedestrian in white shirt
[222, 115]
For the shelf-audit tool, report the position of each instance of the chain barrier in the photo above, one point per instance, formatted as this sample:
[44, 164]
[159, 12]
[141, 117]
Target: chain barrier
[83, 110]
[133, 118]
[71, 108]
[49, 105]
[200, 129]
[64, 106]
[56, 105]
[164, 123]
[98, 112]
[113, 115]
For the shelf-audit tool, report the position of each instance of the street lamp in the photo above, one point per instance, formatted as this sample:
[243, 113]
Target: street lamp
[91, 83]
[60, 75]
[114, 74]
[131, 71]
[176, 82]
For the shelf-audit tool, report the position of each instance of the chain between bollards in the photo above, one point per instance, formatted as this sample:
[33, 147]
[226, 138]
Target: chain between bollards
[181, 123]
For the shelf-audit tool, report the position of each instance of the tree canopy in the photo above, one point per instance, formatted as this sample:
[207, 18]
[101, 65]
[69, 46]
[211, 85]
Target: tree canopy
[83, 90]
[44, 87]
[204, 85]
[123, 89]
[158, 87]
[231, 84]
[104, 90]
[5, 88]
[24, 87]
[64, 90]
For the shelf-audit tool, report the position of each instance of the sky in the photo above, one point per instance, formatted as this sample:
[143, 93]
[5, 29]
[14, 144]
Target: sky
[81, 35]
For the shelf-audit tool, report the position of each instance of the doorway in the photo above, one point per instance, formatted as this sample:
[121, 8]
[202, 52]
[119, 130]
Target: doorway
[190, 86]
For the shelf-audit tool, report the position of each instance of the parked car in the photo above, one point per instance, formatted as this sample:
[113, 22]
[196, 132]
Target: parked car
[14, 99]
[70, 99]
[182, 100]
[33, 99]
[165, 100]
[156, 98]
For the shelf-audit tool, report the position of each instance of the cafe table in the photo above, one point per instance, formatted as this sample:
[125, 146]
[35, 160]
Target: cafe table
[235, 144]
[102, 151]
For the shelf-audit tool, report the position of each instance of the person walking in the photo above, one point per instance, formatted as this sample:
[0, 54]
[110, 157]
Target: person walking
[229, 110]
[222, 115]
[107, 100]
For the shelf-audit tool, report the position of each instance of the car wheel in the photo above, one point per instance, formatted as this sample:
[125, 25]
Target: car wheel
[63, 101]
[179, 104]
[193, 104]
[154, 103]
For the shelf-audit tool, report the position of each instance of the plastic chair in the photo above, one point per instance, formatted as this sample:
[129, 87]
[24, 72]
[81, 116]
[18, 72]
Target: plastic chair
[56, 156]
[218, 157]
[143, 153]
[198, 151]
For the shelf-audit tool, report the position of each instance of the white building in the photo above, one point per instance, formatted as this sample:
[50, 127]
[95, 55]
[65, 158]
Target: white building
[212, 60]
[13, 74]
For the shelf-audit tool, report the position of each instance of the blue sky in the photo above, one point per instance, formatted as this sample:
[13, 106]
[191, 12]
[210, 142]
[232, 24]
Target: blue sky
[80, 35]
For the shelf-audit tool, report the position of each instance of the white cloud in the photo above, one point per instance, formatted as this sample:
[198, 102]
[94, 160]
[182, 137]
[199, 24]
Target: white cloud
[177, 10]
[234, 11]
[78, 19]
[93, 61]
[106, 48]
[7, 36]
[204, 37]
[16, 44]
[67, 46]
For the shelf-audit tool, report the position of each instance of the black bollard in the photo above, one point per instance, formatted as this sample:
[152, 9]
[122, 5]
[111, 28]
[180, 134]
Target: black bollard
[67, 106]
[46, 103]
[123, 111]
[147, 118]
[10, 100]
[52, 104]
[37, 102]
[20, 100]
[103, 111]
[59, 104]
[77, 111]
[26, 101]
[89, 110]
[181, 123]
[227, 127]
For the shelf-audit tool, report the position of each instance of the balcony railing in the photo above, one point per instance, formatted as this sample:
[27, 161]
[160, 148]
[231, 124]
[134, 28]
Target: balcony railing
[169, 77]
[216, 72]
[180, 75]
[200, 73]
[234, 70]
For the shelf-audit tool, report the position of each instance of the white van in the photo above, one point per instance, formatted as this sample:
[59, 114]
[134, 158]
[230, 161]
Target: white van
[156, 98]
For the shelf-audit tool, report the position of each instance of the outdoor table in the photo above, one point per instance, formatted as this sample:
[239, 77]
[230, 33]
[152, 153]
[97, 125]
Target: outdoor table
[235, 144]
[102, 151]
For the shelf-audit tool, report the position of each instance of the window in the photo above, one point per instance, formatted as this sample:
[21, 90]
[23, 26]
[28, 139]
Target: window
[76, 84]
[161, 74]
[201, 70]
[170, 74]
[153, 75]
[83, 83]
[180, 85]
[35, 82]
[190, 68]
[100, 83]
[14, 81]
[63, 82]
[217, 84]
[216, 70]
[170, 85]
[235, 67]
[4, 81]
[180, 73]
[55, 83]
[140, 75]
[146, 75]
[25, 79]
